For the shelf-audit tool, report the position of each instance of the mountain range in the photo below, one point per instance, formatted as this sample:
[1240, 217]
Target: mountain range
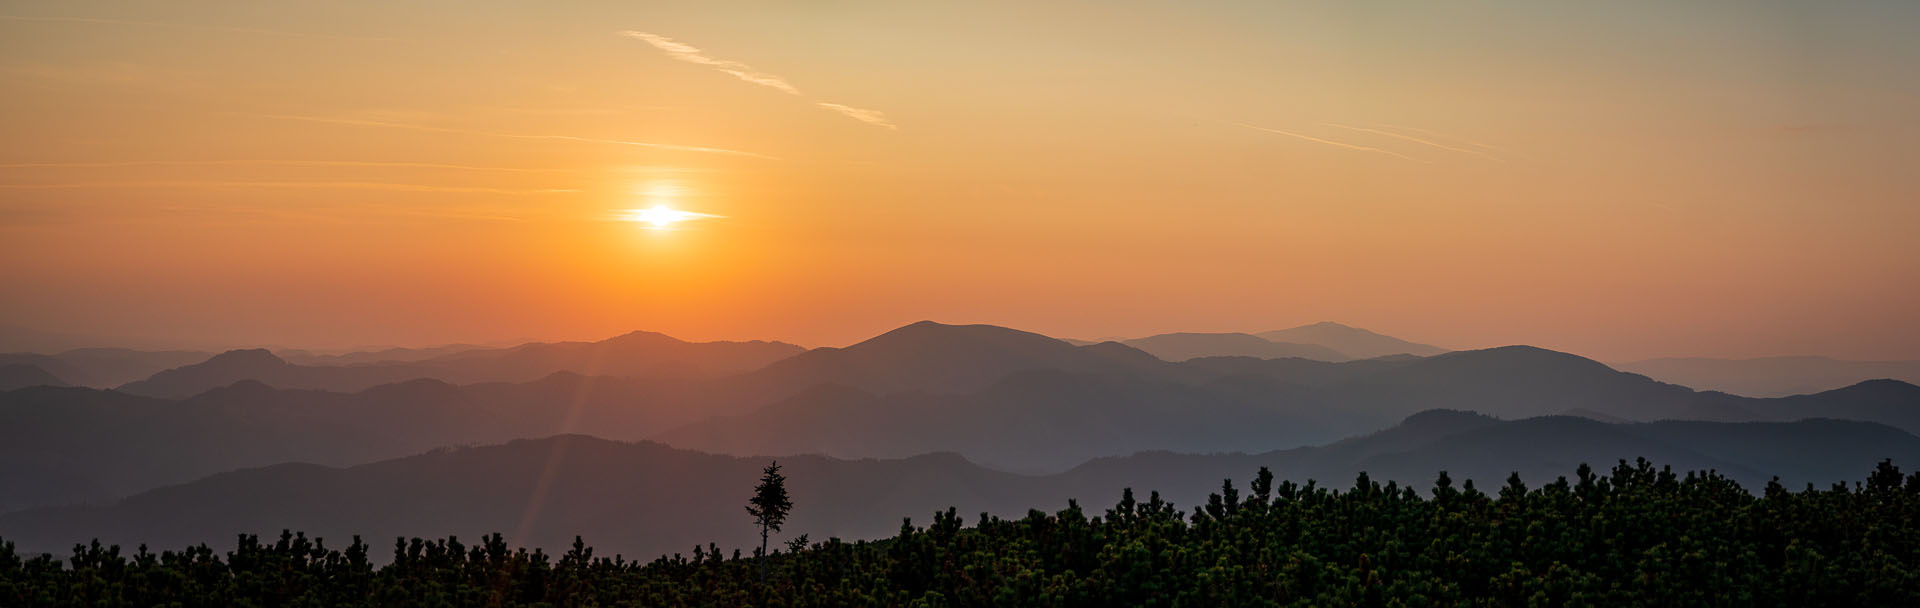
[635, 354]
[644, 499]
[1184, 346]
[1008, 399]
[104, 367]
[1772, 376]
[1351, 341]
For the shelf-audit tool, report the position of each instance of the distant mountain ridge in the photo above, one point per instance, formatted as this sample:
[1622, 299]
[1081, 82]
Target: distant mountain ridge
[1771, 376]
[633, 354]
[105, 367]
[942, 358]
[645, 499]
[1184, 346]
[1039, 422]
[22, 375]
[1352, 341]
[1012, 399]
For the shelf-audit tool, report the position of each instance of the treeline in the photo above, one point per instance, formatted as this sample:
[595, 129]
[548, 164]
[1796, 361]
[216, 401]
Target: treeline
[1637, 536]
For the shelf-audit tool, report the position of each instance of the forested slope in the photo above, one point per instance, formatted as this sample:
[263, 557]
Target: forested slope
[1635, 536]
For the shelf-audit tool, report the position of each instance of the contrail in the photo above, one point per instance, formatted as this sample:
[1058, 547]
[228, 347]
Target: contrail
[592, 140]
[1413, 139]
[692, 54]
[272, 162]
[1331, 142]
[192, 26]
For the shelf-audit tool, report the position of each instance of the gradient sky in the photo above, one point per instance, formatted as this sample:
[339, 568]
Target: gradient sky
[1617, 179]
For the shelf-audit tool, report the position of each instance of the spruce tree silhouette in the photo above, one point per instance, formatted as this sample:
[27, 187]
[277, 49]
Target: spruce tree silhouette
[769, 507]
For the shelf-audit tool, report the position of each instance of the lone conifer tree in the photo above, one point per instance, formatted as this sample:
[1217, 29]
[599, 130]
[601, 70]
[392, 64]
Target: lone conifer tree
[769, 507]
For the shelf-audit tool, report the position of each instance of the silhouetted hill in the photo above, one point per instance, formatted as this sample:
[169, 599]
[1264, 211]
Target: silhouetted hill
[1352, 341]
[1771, 376]
[260, 365]
[108, 444]
[634, 354]
[22, 375]
[644, 499]
[1889, 402]
[1184, 346]
[106, 367]
[1045, 421]
[384, 355]
[640, 353]
[1519, 381]
[1032, 421]
[640, 499]
[938, 358]
[83, 445]
[1012, 399]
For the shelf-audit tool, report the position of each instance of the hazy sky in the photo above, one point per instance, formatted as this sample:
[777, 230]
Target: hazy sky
[1616, 179]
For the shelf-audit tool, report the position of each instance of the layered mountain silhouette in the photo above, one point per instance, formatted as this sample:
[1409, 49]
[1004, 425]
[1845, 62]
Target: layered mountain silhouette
[105, 367]
[1184, 346]
[636, 354]
[942, 358]
[66, 445]
[1045, 421]
[1352, 341]
[22, 375]
[1772, 376]
[1010, 399]
[1033, 421]
[646, 499]
[384, 355]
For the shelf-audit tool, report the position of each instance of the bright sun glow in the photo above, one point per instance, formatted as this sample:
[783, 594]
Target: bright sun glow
[661, 217]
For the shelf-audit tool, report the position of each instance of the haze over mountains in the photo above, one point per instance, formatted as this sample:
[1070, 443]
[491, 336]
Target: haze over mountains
[635, 354]
[1772, 376]
[646, 499]
[1008, 399]
[1184, 346]
[1324, 341]
[1351, 341]
[104, 367]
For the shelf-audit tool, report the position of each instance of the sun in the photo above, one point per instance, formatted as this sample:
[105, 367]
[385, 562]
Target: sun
[662, 217]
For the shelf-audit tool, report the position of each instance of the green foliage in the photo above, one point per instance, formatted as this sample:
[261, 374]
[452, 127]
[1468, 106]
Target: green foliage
[1636, 536]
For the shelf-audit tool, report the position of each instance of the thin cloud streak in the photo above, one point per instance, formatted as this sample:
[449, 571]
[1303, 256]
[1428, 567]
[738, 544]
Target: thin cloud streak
[193, 26]
[1331, 142]
[871, 117]
[692, 54]
[223, 184]
[271, 162]
[1415, 140]
[592, 140]
[1431, 133]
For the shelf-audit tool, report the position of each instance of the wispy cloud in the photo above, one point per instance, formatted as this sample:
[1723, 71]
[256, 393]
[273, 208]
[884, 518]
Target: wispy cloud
[592, 140]
[192, 26]
[302, 185]
[1331, 142]
[691, 54]
[1417, 140]
[871, 117]
[1439, 135]
[269, 162]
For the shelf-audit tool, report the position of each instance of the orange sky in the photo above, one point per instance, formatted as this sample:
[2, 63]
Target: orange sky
[1622, 180]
